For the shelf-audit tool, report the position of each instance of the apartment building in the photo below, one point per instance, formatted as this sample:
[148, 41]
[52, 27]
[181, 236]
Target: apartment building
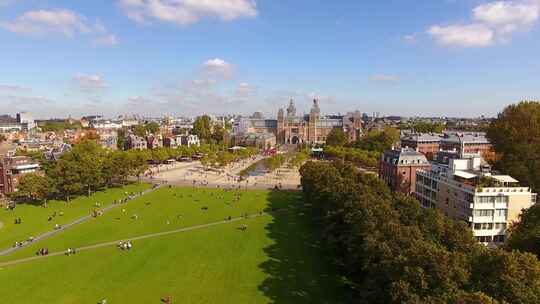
[465, 188]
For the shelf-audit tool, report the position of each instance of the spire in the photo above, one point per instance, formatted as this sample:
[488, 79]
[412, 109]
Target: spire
[315, 108]
[291, 109]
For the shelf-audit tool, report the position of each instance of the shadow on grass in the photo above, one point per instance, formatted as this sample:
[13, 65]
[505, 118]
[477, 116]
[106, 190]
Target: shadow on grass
[297, 271]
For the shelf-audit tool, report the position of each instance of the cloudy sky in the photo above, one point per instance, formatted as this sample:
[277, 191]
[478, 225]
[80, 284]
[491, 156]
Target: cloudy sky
[154, 57]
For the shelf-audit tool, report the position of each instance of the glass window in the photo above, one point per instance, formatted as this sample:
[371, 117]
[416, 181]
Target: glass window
[482, 212]
[501, 212]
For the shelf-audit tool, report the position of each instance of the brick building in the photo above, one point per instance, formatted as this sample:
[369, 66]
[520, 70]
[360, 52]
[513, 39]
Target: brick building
[398, 168]
[11, 169]
[425, 143]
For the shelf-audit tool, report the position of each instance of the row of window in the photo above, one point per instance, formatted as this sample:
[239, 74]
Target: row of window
[489, 212]
[489, 226]
[490, 239]
[492, 199]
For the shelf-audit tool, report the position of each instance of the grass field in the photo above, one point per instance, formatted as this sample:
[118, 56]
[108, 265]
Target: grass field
[35, 218]
[276, 260]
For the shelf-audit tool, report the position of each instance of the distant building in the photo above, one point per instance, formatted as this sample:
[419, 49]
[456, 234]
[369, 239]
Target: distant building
[465, 188]
[106, 124]
[190, 140]
[26, 120]
[56, 152]
[398, 169]
[172, 141]
[154, 142]
[9, 124]
[425, 143]
[467, 143]
[11, 169]
[134, 142]
[259, 140]
[291, 128]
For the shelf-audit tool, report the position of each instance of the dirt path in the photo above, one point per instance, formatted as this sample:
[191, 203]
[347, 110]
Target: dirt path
[67, 226]
[142, 237]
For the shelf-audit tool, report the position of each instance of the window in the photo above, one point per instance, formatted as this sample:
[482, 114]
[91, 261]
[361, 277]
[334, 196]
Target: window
[501, 212]
[498, 238]
[484, 239]
[483, 226]
[483, 212]
[500, 226]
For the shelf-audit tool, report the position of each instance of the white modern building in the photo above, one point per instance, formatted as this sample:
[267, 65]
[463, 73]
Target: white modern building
[466, 189]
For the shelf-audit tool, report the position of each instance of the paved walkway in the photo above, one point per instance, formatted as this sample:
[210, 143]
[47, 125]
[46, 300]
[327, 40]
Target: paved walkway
[67, 226]
[142, 237]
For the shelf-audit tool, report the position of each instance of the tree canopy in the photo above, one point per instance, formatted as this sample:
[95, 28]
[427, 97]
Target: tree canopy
[336, 138]
[378, 140]
[515, 135]
[391, 250]
[202, 127]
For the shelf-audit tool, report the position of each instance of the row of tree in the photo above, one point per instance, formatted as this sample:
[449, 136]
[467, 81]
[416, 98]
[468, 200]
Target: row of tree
[391, 250]
[88, 167]
[218, 158]
[363, 158]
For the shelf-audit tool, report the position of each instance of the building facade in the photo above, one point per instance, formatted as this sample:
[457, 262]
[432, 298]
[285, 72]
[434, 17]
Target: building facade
[11, 169]
[398, 169]
[290, 128]
[424, 143]
[466, 189]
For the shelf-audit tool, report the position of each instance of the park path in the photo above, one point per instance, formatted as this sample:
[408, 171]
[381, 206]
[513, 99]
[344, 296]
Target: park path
[142, 237]
[69, 225]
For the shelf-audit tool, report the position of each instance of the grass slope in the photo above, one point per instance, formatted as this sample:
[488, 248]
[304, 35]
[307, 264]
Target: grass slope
[35, 218]
[277, 260]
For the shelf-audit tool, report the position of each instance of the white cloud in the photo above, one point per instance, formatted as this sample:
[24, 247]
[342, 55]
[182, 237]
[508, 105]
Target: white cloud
[185, 12]
[493, 23]
[90, 82]
[384, 78]
[506, 17]
[471, 35]
[14, 88]
[62, 22]
[218, 68]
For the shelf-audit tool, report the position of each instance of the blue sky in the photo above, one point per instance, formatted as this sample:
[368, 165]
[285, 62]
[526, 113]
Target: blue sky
[153, 57]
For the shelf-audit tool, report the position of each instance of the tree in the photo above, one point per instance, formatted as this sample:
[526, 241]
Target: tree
[336, 138]
[139, 130]
[121, 139]
[378, 140]
[152, 127]
[202, 127]
[524, 235]
[515, 135]
[391, 250]
[33, 187]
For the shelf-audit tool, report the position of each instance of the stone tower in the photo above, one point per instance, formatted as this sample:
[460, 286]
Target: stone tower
[314, 116]
[291, 109]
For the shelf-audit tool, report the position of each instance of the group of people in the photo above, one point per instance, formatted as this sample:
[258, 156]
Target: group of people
[125, 245]
[97, 213]
[43, 251]
[52, 216]
[71, 251]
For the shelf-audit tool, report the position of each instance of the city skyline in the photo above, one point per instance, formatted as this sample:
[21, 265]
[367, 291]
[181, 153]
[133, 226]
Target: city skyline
[238, 56]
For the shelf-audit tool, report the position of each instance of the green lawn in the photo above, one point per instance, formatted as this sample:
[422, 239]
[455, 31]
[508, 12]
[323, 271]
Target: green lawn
[276, 260]
[35, 218]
